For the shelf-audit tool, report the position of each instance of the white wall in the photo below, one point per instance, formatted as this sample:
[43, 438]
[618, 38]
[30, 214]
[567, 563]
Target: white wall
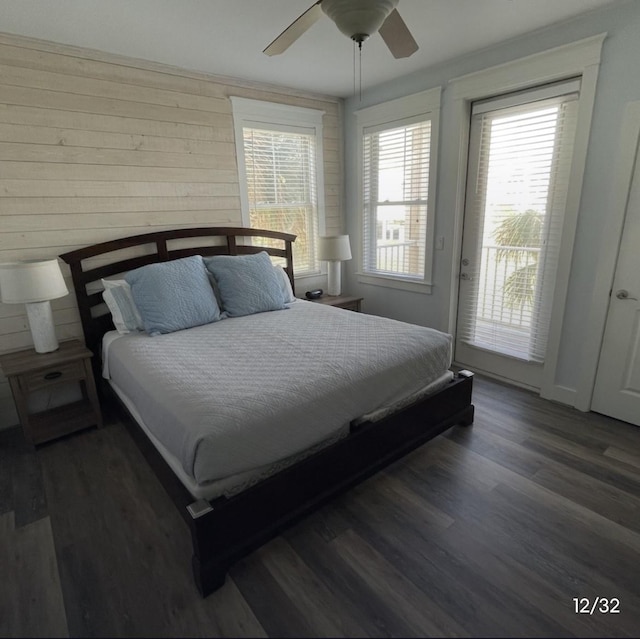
[618, 84]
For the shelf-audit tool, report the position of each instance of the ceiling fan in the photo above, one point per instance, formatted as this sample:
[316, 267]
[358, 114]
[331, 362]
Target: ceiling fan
[357, 19]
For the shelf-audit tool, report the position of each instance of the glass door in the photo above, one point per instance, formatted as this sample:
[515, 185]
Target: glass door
[520, 152]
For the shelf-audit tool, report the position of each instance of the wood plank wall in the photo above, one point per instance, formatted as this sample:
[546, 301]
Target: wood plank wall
[96, 146]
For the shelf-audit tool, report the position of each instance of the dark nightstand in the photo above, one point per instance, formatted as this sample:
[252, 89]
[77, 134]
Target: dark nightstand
[29, 371]
[348, 302]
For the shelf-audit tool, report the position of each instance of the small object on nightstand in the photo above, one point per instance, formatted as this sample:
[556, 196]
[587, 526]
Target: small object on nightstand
[348, 302]
[314, 295]
[29, 371]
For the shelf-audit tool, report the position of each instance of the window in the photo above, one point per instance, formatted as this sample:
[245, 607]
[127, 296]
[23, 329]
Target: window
[398, 142]
[280, 166]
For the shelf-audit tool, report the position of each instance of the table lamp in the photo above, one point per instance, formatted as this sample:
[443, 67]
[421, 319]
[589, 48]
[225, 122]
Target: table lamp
[334, 249]
[34, 283]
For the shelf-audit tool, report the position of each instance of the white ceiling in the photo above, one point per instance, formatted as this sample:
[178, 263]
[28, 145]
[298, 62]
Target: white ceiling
[226, 37]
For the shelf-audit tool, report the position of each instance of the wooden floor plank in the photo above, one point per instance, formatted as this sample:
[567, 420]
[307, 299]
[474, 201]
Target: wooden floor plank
[326, 613]
[134, 538]
[418, 610]
[577, 516]
[596, 466]
[7, 457]
[490, 530]
[268, 600]
[29, 498]
[627, 457]
[435, 571]
[601, 497]
[31, 601]
[374, 613]
[534, 591]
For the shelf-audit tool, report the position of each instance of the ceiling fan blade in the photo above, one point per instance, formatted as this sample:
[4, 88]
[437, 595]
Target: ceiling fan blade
[295, 30]
[397, 36]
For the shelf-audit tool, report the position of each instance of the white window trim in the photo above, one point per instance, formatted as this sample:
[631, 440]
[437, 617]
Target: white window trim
[425, 103]
[581, 58]
[258, 113]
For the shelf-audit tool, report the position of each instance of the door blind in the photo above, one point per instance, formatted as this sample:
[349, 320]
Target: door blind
[395, 193]
[519, 168]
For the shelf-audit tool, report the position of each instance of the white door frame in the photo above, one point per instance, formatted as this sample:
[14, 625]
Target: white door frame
[581, 58]
[629, 149]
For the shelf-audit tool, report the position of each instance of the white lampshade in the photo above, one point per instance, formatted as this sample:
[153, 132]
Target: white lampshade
[34, 283]
[334, 248]
[31, 281]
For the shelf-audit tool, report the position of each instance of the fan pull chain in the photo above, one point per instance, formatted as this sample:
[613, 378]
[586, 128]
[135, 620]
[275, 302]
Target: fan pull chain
[354, 67]
[359, 69]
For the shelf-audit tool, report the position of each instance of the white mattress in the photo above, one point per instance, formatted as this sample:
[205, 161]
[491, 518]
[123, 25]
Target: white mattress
[233, 484]
[246, 393]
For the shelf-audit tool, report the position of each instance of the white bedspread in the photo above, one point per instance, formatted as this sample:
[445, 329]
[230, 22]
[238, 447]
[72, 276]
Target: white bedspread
[229, 397]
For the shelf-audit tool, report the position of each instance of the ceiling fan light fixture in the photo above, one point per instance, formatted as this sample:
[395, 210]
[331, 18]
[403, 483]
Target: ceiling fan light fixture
[358, 19]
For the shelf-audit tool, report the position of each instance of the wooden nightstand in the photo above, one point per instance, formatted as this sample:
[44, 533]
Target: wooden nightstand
[29, 371]
[349, 302]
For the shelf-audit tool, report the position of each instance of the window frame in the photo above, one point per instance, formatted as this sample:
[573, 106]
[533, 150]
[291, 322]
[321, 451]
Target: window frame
[272, 116]
[418, 107]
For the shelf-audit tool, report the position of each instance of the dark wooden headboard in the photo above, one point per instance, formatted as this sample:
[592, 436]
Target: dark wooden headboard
[95, 318]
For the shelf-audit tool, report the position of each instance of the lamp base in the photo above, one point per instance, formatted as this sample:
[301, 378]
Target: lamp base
[334, 271]
[42, 328]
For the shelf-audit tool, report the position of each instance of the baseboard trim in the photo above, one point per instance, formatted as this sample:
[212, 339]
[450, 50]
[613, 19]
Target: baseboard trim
[557, 393]
[561, 394]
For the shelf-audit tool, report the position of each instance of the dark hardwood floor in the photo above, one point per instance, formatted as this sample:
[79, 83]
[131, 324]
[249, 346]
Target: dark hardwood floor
[492, 530]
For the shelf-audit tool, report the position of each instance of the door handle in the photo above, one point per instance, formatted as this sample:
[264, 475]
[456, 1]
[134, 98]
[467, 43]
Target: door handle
[623, 294]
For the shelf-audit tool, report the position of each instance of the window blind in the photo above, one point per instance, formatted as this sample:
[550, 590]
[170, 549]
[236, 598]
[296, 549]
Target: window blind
[395, 194]
[281, 185]
[520, 161]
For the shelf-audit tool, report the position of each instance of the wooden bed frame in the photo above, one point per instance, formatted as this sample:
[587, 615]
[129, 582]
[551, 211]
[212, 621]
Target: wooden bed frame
[226, 529]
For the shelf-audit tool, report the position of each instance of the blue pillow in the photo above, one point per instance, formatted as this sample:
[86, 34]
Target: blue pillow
[247, 283]
[171, 296]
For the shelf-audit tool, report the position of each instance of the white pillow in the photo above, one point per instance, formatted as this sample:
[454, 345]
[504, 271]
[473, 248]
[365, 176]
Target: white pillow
[285, 284]
[117, 296]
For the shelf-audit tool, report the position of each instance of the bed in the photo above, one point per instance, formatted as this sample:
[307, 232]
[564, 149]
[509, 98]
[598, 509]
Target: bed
[253, 421]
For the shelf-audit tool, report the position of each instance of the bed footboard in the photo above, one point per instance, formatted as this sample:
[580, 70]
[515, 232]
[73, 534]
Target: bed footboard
[225, 530]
